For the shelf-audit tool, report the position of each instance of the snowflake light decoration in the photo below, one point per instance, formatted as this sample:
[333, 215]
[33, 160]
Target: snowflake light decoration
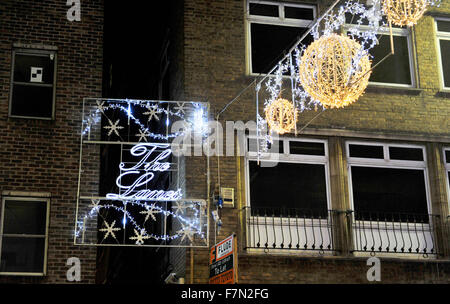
[139, 236]
[109, 230]
[113, 127]
[186, 231]
[150, 212]
[152, 112]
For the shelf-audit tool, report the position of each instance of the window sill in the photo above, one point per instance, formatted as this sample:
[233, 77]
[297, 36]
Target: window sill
[384, 89]
[22, 274]
[31, 117]
[443, 93]
[26, 194]
[334, 255]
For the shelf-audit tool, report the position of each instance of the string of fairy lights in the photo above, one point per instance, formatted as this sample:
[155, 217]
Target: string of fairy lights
[137, 212]
[334, 70]
[331, 72]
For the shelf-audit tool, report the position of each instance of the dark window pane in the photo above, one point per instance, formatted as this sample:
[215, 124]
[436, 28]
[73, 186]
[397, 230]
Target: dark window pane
[24, 217]
[288, 186]
[306, 148]
[263, 10]
[298, 13]
[24, 64]
[405, 153]
[32, 101]
[268, 43]
[22, 254]
[447, 156]
[389, 194]
[276, 147]
[443, 26]
[366, 151]
[445, 51]
[395, 69]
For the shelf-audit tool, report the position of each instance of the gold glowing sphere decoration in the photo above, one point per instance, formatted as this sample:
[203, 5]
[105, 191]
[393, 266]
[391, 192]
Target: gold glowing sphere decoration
[334, 70]
[281, 116]
[404, 12]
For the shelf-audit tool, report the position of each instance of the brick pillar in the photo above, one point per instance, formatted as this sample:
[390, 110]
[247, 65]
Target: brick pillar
[340, 201]
[439, 196]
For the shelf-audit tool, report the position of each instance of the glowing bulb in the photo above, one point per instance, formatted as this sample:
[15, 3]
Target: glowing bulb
[199, 123]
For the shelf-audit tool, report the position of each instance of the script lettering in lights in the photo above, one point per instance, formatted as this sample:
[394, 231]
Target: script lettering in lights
[152, 159]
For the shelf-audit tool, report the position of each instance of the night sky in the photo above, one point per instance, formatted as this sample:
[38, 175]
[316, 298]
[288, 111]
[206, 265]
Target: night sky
[134, 34]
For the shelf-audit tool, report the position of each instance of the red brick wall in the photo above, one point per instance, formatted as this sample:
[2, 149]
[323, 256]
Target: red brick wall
[42, 156]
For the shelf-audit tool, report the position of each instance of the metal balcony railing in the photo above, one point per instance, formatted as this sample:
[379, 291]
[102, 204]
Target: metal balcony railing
[396, 233]
[321, 230]
[296, 229]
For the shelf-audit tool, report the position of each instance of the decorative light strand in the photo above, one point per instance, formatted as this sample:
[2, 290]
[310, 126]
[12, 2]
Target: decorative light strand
[191, 225]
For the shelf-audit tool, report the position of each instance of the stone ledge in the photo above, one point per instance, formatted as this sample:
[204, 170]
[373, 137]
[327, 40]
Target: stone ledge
[393, 90]
[25, 194]
[34, 46]
[444, 94]
[352, 258]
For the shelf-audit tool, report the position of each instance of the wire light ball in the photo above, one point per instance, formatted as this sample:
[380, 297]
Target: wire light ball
[281, 116]
[334, 70]
[404, 12]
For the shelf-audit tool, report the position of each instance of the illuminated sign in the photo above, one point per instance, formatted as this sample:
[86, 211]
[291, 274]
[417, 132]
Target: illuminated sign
[143, 172]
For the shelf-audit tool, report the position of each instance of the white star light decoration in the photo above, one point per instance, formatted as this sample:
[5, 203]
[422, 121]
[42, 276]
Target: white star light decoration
[150, 212]
[142, 135]
[95, 205]
[140, 237]
[101, 106]
[180, 108]
[113, 127]
[152, 112]
[186, 231]
[109, 230]
[180, 207]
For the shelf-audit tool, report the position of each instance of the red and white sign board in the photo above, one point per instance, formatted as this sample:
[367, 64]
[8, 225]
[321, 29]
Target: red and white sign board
[223, 262]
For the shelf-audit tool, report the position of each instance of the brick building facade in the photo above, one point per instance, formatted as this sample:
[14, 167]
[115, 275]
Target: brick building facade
[210, 61]
[211, 50]
[39, 147]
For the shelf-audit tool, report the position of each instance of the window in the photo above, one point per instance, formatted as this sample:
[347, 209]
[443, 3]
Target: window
[443, 38]
[273, 27]
[389, 196]
[24, 235]
[398, 69]
[295, 179]
[288, 194]
[388, 179]
[33, 79]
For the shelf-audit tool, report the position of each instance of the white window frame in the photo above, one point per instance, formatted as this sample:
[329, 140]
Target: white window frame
[33, 52]
[391, 164]
[441, 36]
[286, 157]
[280, 20]
[387, 163]
[396, 31]
[31, 199]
